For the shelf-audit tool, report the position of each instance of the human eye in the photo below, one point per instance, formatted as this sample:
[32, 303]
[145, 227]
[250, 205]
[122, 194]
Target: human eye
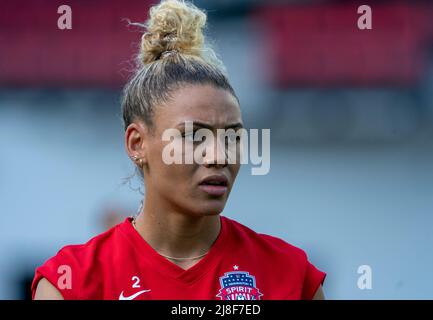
[188, 136]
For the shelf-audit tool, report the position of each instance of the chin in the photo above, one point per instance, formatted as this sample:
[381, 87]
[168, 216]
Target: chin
[210, 208]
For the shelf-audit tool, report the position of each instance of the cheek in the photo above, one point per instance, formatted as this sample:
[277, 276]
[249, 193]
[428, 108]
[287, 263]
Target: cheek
[169, 177]
[234, 169]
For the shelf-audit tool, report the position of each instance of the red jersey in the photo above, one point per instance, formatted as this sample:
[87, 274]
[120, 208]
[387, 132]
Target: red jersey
[241, 265]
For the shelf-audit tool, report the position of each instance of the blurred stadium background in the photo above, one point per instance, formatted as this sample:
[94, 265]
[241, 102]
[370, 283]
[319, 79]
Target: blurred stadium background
[350, 112]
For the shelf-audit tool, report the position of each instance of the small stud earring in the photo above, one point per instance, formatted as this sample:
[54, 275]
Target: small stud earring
[140, 160]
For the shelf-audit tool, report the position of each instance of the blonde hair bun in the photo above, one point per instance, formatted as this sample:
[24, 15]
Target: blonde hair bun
[173, 26]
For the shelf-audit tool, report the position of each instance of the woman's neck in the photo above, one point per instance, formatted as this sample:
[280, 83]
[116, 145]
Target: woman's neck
[176, 234]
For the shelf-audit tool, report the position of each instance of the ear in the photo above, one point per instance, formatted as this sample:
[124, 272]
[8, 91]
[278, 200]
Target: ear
[136, 135]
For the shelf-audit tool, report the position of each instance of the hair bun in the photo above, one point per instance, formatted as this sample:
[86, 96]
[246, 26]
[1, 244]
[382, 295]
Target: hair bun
[173, 26]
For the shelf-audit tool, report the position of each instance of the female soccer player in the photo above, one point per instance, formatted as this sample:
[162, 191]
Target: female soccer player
[179, 246]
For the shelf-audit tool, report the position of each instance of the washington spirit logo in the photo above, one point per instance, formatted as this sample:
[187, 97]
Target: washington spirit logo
[238, 285]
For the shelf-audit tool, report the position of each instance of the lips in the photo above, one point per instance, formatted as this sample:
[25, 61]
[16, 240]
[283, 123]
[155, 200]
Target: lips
[215, 185]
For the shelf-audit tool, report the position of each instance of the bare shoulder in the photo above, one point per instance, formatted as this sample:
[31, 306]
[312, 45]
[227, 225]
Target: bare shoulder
[46, 291]
[319, 295]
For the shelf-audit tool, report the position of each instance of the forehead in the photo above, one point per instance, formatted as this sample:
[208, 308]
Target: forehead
[205, 103]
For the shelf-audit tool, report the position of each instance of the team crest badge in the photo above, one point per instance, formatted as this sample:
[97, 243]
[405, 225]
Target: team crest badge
[238, 285]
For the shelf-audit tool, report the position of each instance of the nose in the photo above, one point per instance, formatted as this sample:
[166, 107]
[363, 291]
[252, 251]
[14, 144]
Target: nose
[217, 158]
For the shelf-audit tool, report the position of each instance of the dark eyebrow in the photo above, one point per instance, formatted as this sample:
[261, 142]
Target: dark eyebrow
[236, 125]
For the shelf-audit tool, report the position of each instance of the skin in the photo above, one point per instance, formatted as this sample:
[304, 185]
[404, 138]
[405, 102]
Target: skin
[178, 218]
[319, 295]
